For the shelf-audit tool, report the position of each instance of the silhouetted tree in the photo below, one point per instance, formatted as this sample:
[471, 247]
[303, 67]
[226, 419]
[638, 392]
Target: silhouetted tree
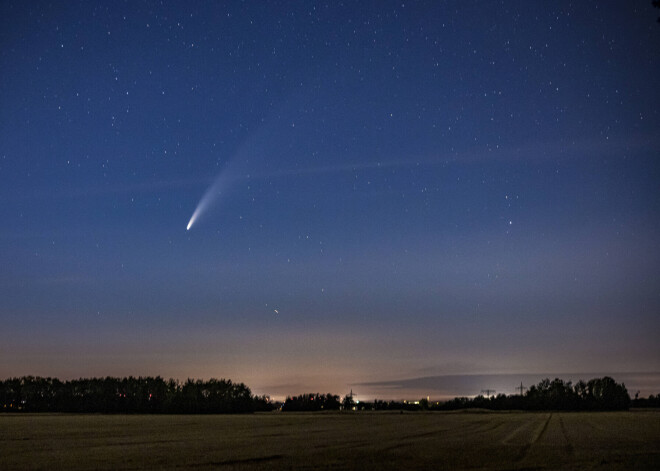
[347, 403]
[606, 394]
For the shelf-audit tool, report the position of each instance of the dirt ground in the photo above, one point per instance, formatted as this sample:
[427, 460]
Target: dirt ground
[434, 440]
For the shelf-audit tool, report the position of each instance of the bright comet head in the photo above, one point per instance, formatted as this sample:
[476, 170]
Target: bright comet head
[193, 218]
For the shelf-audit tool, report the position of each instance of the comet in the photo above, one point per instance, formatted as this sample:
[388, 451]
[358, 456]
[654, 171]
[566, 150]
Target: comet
[211, 195]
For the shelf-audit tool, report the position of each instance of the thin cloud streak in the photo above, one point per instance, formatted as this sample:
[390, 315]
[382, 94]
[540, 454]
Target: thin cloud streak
[446, 386]
[529, 152]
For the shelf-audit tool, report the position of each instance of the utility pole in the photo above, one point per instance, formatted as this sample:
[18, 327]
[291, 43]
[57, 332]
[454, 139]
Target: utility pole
[521, 388]
[488, 392]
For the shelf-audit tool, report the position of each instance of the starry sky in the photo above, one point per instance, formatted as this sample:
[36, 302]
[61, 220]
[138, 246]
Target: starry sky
[390, 191]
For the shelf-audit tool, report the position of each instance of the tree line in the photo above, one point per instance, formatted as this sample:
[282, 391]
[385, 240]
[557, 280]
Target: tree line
[128, 395]
[651, 401]
[595, 395]
[598, 394]
[311, 402]
[156, 395]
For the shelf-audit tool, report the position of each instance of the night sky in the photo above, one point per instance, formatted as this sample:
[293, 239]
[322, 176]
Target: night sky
[389, 191]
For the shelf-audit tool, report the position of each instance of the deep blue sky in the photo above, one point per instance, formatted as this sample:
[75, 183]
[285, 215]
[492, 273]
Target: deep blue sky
[399, 190]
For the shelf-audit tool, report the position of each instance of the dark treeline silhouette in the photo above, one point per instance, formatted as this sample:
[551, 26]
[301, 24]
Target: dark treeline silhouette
[321, 402]
[128, 395]
[598, 394]
[651, 401]
[156, 395]
[394, 405]
[311, 402]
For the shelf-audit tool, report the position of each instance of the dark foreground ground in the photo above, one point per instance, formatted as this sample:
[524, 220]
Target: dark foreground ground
[459, 440]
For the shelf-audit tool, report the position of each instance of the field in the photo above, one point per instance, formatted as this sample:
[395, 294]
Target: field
[459, 440]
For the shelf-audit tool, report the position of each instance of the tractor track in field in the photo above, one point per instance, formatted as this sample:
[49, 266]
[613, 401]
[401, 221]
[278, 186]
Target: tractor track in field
[568, 447]
[524, 451]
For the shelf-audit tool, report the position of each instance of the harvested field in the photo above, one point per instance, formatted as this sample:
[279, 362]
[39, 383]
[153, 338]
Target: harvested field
[452, 440]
